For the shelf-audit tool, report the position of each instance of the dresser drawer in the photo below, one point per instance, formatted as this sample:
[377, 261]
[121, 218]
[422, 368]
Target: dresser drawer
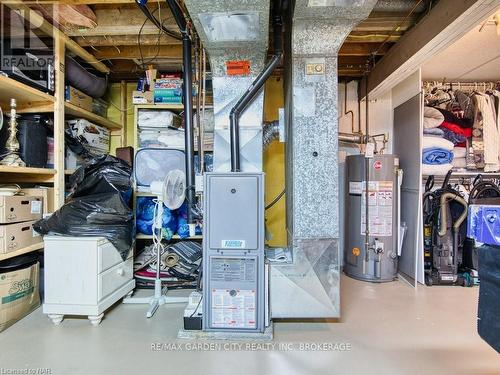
[115, 277]
[107, 256]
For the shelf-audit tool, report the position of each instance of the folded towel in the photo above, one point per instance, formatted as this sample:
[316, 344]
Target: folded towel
[436, 170]
[436, 156]
[432, 117]
[453, 137]
[459, 152]
[434, 131]
[466, 132]
[459, 163]
[430, 142]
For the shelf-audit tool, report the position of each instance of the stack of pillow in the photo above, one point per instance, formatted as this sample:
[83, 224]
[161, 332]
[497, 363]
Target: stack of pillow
[437, 152]
[440, 123]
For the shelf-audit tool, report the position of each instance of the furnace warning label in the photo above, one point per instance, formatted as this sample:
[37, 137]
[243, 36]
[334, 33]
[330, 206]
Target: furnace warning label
[380, 205]
[233, 308]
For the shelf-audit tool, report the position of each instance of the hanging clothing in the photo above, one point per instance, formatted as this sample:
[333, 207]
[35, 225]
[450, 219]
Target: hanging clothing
[485, 135]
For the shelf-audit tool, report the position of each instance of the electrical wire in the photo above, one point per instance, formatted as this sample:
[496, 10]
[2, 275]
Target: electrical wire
[197, 306]
[157, 23]
[275, 200]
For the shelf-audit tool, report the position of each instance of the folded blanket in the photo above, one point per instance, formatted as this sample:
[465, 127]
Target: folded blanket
[434, 131]
[459, 152]
[466, 132]
[436, 156]
[436, 170]
[430, 142]
[453, 137]
[459, 163]
[432, 118]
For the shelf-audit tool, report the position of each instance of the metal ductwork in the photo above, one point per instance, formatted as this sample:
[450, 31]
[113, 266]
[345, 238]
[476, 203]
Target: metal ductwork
[233, 31]
[399, 6]
[309, 286]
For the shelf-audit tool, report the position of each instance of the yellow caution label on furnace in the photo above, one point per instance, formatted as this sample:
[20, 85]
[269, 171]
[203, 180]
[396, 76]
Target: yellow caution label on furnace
[356, 251]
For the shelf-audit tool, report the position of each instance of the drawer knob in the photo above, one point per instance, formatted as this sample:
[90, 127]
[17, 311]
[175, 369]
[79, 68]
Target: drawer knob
[120, 272]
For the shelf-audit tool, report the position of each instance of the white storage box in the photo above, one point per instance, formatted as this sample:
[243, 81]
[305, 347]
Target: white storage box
[95, 136]
[84, 276]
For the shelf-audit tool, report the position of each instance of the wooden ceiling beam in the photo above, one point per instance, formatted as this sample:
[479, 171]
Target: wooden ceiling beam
[372, 37]
[125, 40]
[146, 52]
[127, 21]
[363, 49]
[76, 2]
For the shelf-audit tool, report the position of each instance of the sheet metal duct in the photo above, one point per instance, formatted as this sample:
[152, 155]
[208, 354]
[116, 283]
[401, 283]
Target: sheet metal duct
[309, 286]
[232, 30]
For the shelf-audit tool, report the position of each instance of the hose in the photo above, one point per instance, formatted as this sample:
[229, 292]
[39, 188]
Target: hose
[444, 218]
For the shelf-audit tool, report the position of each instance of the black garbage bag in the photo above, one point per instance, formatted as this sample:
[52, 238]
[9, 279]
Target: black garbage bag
[105, 174]
[98, 205]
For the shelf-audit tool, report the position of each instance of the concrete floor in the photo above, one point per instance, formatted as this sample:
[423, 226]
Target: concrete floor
[390, 328]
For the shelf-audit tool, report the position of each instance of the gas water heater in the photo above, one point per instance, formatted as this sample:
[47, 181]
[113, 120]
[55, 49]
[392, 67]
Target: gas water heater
[372, 255]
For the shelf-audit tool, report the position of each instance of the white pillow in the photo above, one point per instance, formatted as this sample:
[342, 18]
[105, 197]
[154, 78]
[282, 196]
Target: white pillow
[438, 142]
[436, 170]
[432, 118]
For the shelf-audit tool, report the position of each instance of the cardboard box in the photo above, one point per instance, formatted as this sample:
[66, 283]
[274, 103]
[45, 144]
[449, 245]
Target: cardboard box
[95, 136]
[78, 98]
[47, 193]
[19, 294]
[18, 208]
[18, 236]
[139, 97]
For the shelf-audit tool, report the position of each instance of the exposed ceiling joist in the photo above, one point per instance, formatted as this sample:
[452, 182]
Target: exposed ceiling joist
[362, 49]
[372, 37]
[125, 40]
[133, 52]
[74, 2]
[127, 21]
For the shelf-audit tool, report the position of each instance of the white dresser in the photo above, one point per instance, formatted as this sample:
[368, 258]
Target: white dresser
[84, 276]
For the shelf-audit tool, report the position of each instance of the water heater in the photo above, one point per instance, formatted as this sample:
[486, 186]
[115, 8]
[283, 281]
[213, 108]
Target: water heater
[372, 257]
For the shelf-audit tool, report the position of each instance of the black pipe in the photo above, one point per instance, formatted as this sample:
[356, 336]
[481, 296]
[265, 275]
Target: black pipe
[187, 77]
[234, 116]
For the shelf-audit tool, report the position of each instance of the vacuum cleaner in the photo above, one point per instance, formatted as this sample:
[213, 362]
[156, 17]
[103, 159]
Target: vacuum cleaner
[445, 210]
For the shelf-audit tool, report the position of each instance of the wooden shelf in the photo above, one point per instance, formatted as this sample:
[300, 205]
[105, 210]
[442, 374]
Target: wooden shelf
[22, 251]
[69, 171]
[175, 237]
[25, 95]
[167, 106]
[26, 170]
[77, 112]
[26, 174]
